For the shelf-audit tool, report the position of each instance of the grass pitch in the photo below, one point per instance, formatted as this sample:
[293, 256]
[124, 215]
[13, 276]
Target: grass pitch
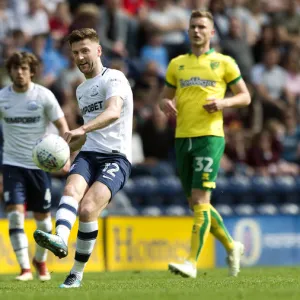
[253, 283]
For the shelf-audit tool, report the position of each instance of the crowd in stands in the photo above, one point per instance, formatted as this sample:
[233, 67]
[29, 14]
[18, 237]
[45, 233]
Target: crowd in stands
[140, 37]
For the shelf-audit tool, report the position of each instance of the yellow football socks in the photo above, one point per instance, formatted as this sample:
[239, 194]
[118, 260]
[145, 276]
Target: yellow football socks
[200, 231]
[219, 230]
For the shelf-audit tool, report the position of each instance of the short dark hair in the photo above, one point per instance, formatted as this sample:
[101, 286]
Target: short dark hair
[202, 14]
[82, 34]
[19, 58]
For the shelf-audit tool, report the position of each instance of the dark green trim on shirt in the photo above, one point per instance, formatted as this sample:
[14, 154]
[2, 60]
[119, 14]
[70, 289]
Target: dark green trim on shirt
[170, 85]
[207, 52]
[234, 81]
[210, 51]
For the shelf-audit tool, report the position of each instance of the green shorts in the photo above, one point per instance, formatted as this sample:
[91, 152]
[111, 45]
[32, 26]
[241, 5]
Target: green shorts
[198, 161]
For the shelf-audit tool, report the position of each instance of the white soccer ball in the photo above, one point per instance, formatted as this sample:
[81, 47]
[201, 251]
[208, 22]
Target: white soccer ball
[51, 152]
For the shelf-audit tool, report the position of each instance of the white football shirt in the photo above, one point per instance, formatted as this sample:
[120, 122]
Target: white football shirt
[92, 95]
[25, 118]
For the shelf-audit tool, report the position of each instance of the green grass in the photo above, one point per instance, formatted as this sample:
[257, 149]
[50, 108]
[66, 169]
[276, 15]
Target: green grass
[253, 283]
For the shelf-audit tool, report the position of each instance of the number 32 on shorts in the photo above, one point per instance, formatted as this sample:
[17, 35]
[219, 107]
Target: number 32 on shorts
[204, 164]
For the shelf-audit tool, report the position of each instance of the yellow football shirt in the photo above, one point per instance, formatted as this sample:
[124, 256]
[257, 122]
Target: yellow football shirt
[196, 79]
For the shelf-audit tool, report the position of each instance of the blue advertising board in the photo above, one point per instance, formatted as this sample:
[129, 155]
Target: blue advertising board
[268, 240]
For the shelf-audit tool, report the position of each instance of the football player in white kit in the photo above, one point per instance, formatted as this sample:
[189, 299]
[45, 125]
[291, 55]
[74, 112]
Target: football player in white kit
[103, 165]
[26, 109]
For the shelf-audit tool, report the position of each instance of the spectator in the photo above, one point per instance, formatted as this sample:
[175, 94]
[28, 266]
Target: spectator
[267, 40]
[292, 65]
[221, 20]
[277, 131]
[113, 29]
[288, 23]
[259, 17]
[7, 21]
[51, 6]
[235, 158]
[269, 80]
[237, 47]
[18, 39]
[172, 22]
[155, 51]
[157, 154]
[133, 6]
[248, 28]
[291, 138]
[35, 21]
[261, 156]
[86, 16]
[60, 21]
[52, 60]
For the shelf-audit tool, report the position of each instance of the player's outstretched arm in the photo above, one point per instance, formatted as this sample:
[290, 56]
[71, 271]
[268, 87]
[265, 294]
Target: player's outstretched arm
[110, 114]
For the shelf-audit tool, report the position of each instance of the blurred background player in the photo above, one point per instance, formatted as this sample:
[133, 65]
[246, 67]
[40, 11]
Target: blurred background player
[195, 88]
[26, 109]
[103, 165]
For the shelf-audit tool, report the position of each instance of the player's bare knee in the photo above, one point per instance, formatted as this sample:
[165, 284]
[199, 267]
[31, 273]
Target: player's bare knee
[14, 207]
[200, 197]
[87, 210]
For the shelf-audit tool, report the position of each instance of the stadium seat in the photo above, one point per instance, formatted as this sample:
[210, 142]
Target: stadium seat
[224, 209]
[286, 188]
[263, 189]
[145, 186]
[175, 210]
[297, 182]
[129, 187]
[153, 211]
[289, 209]
[285, 184]
[162, 169]
[221, 194]
[240, 187]
[169, 186]
[245, 210]
[267, 209]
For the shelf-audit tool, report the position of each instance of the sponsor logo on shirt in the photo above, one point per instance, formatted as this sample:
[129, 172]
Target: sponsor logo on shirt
[92, 107]
[197, 81]
[22, 120]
